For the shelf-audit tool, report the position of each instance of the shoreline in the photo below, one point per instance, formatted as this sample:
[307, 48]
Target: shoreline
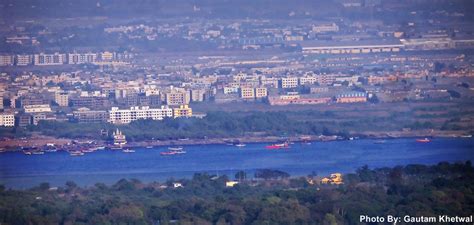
[40, 140]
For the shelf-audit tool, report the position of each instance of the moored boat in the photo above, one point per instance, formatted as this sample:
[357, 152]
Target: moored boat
[240, 145]
[37, 152]
[277, 146]
[380, 142]
[76, 153]
[424, 140]
[175, 148]
[173, 152]
[168, 153]
[128, 150]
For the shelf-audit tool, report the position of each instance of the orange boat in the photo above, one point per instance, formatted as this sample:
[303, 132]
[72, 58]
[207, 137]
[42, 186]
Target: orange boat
[277, 146]
[424, 140]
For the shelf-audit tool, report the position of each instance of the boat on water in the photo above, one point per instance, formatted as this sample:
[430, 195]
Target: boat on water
[179, 148]
[50, 150]
[240, 145]
[37, 152]
[27, 152]
[76, 153]
[466, 136]
[97, 148]
[380, 142]
[88, 150]
[173, 152]
[424, 140]
[277, 146]
[168, 153]
[149, 146]
[128, 151]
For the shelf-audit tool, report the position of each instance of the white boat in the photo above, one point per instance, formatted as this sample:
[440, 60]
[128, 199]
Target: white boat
[37, 152]
[180, 152]
[240, 145]
[76, 153]
[50, 150]
[380, 142]
[175, 148]
[128, 151]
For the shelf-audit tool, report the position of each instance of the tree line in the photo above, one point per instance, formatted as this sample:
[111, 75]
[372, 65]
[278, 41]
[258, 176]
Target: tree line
[442, 189]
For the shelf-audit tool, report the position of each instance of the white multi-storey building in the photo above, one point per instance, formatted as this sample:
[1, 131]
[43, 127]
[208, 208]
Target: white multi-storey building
[7, 120]
[289, 82]
[261, 92]
[6, 60]
[309, 79]
[49, 59]
[124, 116]
[325, 27]
[23, 60]
[80, 58]
[61, 98]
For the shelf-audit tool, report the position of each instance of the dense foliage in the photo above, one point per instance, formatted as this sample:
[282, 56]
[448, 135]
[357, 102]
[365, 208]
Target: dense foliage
[215, 124]
[411, 190]
[219, 124]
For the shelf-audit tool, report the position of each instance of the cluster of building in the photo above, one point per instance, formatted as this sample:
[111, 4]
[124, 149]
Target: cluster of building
[32, 114]
[45, 59]
[102, 97]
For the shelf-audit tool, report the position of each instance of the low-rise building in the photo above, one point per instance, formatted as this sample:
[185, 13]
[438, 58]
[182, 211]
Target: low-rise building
[7, 120]
[61, 98]
[182, 111]
[289, 82]
[325, 27]
[91, 102]
[6, 60]
[197, 95]
[81, 58]
[231, 90]
[37, 108]
[351, 97]
[247, 93]
[261, 92]
[299, 100]
[24, 60]
[35, 118]
[85, 115]
[177, 97]
[49, 59]
[23, 120]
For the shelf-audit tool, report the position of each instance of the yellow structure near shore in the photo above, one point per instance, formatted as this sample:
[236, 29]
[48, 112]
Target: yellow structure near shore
[335, 178]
